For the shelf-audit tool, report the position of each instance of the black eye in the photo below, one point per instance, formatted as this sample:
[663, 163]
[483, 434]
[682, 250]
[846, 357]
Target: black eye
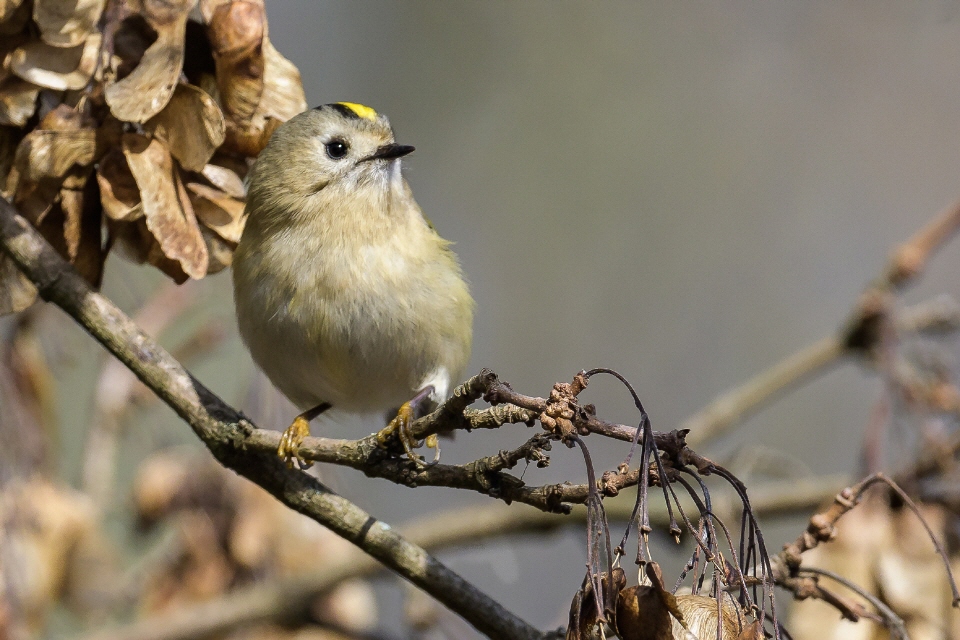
[336, 149]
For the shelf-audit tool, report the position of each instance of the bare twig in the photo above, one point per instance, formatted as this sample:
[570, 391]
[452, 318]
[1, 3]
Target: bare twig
[887, 616]
[910, 258]
[822, 527]
[733, 406]
[858, 335]
[225, 432]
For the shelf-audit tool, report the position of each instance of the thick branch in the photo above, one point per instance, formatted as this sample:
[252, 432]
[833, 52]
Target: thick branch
[225, 432]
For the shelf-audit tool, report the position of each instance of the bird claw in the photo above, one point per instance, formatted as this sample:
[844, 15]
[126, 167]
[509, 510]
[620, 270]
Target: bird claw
[290, 441]
[400, 426]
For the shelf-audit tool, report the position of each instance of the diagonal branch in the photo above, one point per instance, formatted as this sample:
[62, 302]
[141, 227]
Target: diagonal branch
[225, 432]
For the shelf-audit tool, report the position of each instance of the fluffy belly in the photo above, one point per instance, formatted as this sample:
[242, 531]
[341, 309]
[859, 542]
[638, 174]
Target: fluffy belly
[350, 366]
[363, 332]
[360, 352]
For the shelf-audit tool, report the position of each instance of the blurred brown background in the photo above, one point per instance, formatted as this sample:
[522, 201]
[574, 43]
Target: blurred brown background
[685, 192]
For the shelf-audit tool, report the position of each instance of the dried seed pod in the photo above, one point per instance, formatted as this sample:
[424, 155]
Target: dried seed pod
[169, 215]
[119, 194]
[148, 88]
[18, 101]
[62, 142]
[217, 211]
[237, 31]
[82, 230]
[55, 67]
[66, 24]
[191, 125]
[14, 16]
[49, 154]
[225, 179]
[651, 612]
[16, 292]
[220, 251]
[8, 8]
[171, 194]
[283, 98]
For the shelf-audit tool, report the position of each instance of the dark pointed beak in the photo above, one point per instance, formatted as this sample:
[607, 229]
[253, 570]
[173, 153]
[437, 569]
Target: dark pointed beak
[390, 152]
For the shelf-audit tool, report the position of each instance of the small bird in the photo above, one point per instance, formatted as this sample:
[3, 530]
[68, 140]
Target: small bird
[345, 294]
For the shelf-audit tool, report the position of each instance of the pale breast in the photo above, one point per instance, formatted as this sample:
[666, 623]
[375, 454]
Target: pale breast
[363, 332]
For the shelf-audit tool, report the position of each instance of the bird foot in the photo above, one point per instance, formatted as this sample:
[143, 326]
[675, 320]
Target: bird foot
[292, 438]
[290, 441]
[400, 426]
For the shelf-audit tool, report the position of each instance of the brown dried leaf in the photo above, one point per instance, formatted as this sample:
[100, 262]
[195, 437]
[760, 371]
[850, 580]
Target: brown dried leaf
[652, 612]
[208, 7]
[217, 210]
[646, 612]
[66, 24]
[753, 631]
[130, 39]
[9, 44]
[91, 253]
[119, 193]
[45, 154]
[131, 239]
[8, 8]
[225, 179]
[584, 616]
[282, 99]
[16, 291]
[249, 140]
[283, 95]
[166, 207]
[82, 230]
[35, 200]
[171, 268]
[64, 140]
[9, 141]
[220, 251]
[191, 125]
[148, 88]
[642, 616]
[57, 68]
[109, 134]
[237, 31]
[18, 101]
[45, 157]
[14, 16]
[71, 201]
[62, 117]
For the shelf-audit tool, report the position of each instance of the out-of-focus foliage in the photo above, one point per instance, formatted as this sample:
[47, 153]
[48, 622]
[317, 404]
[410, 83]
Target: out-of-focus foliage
[137, 117]
[225, 533]
[885, 551]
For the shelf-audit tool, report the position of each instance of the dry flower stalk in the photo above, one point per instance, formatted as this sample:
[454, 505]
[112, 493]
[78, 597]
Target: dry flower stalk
[131, 124]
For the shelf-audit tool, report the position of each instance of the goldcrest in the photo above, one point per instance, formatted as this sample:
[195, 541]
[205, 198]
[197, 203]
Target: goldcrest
[345, 294]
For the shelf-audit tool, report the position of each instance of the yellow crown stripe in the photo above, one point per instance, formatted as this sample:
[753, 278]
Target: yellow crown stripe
[361, 110]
